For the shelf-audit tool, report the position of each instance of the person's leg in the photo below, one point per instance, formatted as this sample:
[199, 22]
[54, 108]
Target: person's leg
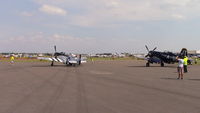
[186, 69]
[181, 72]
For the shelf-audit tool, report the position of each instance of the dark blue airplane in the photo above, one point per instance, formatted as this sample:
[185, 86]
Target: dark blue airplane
[163, 57]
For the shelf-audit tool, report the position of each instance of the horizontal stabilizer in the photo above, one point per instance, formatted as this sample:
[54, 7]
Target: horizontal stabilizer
[73, 61]
[83, 61]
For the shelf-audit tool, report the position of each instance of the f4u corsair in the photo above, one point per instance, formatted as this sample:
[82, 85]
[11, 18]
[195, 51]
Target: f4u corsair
[163, 57]
[67, 59]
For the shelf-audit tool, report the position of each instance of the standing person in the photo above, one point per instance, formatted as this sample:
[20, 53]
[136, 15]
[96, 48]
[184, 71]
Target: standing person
[195, 61]
[180, 68]
[79, 61]
[12, 58]
[185, 64]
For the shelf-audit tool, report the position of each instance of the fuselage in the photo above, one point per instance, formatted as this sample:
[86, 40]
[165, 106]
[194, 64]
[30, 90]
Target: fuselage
[166, 57]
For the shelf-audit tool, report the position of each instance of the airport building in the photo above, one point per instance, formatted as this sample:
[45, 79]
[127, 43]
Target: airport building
[192, 52]
[198, 52]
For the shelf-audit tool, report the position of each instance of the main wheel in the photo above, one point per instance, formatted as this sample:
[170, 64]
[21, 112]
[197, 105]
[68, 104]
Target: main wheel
[162, 64]
[52, 63]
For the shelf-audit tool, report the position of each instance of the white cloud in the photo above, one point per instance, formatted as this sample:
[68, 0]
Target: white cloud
[53, 2]
[106, 12]
[40, 42]
[178, 16]
[27, 14]
[178, 2]
[53, 10]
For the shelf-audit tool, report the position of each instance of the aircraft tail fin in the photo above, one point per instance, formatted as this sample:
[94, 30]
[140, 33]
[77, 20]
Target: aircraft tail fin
[183, 53]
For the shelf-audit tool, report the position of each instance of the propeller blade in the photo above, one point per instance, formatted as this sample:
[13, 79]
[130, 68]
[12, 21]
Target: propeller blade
[154, 48]
[55, 48]
[146, 55]
[116, 53]
[147, 48]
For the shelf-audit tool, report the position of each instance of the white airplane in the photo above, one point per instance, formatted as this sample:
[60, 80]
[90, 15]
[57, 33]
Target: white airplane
[67, 59]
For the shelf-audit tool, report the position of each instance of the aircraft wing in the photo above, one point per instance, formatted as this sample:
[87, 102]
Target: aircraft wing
[63, 59]
[140, 57]
[76, 61]
[44, 58]
[73, 61]
[51, 59]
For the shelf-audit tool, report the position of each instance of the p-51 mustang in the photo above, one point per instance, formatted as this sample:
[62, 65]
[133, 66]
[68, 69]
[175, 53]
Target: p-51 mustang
[67, 59]
[163, 57]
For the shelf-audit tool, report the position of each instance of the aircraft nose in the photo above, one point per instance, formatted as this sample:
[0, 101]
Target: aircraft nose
[149, 54]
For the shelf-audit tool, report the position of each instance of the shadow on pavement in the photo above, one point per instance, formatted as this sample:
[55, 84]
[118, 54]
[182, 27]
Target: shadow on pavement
[155, 66]
[48, 66]
[194, 79]
[177, 79]
[169, 78]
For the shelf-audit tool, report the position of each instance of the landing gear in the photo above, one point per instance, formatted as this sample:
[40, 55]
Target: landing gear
[52, 63]
[67, 63]
[147, 64]
[79, 62]
[74, 65]
[162, 64]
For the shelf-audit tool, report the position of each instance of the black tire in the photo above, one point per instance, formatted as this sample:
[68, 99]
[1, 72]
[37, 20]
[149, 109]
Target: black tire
[147, 64]
[52, 63]
[162, 64]
[67, 63]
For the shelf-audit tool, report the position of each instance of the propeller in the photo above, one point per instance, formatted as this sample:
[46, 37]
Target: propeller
[149, 51]
[147, 48]
[154, 48]
[54, 55]
[147, 55]
[55, 48]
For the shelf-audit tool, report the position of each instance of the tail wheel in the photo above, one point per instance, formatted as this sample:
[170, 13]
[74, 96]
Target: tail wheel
[147, 64]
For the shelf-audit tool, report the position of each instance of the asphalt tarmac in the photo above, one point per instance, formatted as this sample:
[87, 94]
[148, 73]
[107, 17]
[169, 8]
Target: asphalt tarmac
[99, 87]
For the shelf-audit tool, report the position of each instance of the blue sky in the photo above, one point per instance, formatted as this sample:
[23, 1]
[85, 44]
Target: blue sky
[93, 26]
